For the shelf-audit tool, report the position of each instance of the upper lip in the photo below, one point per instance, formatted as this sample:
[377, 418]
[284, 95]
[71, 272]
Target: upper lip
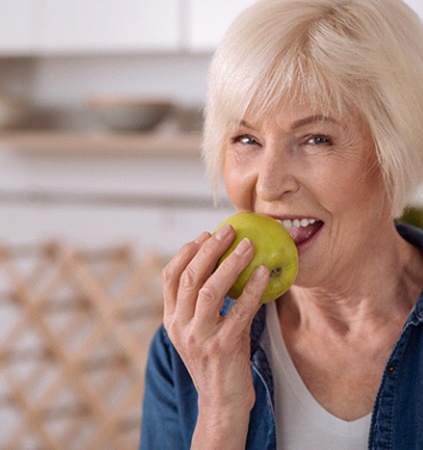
[293, 217]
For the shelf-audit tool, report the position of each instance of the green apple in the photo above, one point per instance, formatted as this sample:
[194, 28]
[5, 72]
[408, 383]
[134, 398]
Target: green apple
[273, 247]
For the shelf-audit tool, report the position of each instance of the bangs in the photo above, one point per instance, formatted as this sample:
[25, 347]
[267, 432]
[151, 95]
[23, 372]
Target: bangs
[295, 69]
[289, 84]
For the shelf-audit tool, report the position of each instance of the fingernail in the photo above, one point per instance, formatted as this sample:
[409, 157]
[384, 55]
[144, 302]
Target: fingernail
[223, 232]
[243, 246]
[202, 237]
[259, 273]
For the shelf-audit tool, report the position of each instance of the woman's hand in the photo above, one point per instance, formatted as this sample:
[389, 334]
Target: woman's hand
[215, 349]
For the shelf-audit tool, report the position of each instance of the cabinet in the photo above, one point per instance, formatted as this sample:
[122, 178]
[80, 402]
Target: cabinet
[96, 200]
[38, 27]
[208, 21]
[17, 26]
[108, 25]
[29, 27]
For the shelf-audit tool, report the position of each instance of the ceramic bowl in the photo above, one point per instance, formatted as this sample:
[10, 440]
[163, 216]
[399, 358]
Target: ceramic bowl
[130, 114]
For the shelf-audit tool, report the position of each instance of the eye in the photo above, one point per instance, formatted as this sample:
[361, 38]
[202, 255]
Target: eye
[317, 139]
[245, 139]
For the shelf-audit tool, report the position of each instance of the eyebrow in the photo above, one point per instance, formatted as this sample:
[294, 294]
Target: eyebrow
[312, 119]
[301, 122]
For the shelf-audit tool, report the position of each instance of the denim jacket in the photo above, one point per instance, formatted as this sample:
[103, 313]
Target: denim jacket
[170, 400]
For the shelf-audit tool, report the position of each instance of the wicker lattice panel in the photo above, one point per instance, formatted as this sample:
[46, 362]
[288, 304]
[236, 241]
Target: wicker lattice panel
[75, 328]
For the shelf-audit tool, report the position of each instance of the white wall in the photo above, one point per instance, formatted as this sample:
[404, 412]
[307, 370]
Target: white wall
[69, 80]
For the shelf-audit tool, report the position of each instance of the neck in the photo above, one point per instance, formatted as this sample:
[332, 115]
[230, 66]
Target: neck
[379, 290]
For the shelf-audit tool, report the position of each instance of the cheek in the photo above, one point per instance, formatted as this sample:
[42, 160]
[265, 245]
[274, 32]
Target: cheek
[360, 192]
[239, 183]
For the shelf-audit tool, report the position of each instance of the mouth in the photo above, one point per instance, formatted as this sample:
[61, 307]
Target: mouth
[301, 229]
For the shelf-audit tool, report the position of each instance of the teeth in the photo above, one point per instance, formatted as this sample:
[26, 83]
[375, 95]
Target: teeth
[297, 223]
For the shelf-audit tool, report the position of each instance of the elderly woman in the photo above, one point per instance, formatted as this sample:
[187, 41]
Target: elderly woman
[315, 113]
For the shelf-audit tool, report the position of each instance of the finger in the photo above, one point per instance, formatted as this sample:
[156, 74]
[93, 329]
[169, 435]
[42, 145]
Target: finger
[199, 270]
[171, 273]
[211, 295]
[242, 312]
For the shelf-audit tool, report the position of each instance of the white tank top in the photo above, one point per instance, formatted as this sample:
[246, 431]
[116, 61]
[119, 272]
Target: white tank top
[301, 423]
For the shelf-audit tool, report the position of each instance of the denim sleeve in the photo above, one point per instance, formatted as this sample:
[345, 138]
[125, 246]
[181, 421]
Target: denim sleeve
[170, 404]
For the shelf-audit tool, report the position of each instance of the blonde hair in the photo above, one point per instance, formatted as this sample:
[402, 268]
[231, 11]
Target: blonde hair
[341, 55]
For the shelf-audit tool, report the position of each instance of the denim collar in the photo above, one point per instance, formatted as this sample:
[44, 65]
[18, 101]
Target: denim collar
[414, 236]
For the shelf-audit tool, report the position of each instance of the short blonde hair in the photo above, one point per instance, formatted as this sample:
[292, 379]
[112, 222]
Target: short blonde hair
[341, 55]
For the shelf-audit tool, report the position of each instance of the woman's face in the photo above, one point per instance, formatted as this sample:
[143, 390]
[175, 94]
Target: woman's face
[318, 174]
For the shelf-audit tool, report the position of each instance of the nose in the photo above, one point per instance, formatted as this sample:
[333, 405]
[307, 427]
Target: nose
[277, 174]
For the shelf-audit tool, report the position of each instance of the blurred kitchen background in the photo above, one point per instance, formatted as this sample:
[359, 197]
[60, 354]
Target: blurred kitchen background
[95, 195]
